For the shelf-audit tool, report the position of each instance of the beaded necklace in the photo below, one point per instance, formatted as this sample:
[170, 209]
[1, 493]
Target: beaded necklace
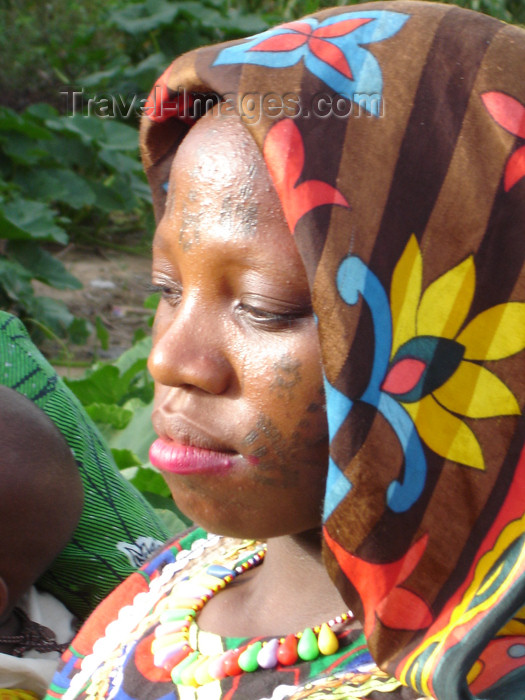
[173, 651]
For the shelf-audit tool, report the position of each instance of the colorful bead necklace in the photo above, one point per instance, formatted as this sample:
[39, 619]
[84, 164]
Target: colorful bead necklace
[173, 651]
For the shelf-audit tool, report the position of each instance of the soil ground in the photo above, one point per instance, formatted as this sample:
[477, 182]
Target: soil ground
[115, 285]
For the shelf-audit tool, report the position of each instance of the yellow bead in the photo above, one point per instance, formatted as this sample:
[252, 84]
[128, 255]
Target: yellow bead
[167, 641]
[202, 675]
[189, 603]
[327, 641]
[187, 677]
[212, 582]
[178, 670]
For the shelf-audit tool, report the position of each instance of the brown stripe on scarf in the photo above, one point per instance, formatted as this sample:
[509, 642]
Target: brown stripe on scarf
[424, 158]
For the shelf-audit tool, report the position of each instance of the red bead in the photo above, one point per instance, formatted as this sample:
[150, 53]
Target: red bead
[287, 651]
[216, 667]
[231, 662]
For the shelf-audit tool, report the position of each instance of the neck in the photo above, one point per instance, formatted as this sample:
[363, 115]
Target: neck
[288, 592]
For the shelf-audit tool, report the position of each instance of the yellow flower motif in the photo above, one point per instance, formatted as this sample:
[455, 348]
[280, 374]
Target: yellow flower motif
[434, 371]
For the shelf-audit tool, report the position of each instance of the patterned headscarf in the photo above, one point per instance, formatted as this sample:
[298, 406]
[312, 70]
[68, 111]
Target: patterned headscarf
[394, 133]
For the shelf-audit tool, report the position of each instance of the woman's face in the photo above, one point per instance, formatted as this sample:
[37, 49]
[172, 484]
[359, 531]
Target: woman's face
[239, 406]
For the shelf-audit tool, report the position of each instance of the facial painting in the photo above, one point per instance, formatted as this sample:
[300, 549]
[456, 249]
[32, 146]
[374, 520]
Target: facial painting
[238, 409]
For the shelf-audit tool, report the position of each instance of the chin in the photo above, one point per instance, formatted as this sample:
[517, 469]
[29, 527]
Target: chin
[221, 515]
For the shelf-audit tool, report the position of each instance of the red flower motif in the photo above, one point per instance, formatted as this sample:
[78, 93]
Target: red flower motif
[380, 590]
[284, 154]
[510, 114]
[301, 34]
[404, 376]
[160, 105]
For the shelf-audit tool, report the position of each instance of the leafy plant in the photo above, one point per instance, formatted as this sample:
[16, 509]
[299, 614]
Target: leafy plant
[50, 44]
[155, 31]
[60, 177]
[118, 396]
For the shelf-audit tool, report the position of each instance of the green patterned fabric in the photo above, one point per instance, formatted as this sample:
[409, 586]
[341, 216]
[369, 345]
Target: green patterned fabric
[118, 529]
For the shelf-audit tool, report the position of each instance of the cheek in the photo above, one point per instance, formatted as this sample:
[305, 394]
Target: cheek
[294, 389]
[290, 427]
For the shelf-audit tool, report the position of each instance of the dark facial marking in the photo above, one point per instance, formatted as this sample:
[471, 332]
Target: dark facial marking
[287, 375]
[241, 211]
[273, 443]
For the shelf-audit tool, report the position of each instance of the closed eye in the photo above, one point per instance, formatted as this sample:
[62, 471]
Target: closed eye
[272, 320]
[170, 292]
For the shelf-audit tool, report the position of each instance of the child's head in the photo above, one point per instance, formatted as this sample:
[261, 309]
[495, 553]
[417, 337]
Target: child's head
[41, 497]
[239, 400]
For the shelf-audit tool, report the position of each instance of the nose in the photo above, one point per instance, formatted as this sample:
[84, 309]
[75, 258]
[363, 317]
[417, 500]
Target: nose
[188, 350]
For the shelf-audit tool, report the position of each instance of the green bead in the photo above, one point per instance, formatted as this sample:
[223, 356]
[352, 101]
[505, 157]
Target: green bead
[248, 659]
[176, 672]
[307, 647]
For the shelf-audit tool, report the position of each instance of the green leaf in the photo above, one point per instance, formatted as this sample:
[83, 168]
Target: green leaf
[119, 162]
[140, 18]
[120, 137]
[108, 75]
[41, 111]
[67, 149]
[139, 366]
[16, 281]
[54, 185]
[125, 459]
[122, 188]
[42, 265]
[138, 352]
[205, 16]
[79, 331]
[107, 199]
[10, 121]
[152, 301]
[139, 434]
[25, 219]
[101, 385]
[149, 68]
[139, 335]
[148, 479]
[88, 128]
[140, 187]
[51, 313]
[244, 24]
[21, 148]
[102, 333]
[115, 416]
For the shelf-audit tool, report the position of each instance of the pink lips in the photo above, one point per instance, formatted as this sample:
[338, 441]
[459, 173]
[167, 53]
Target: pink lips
[185, 459]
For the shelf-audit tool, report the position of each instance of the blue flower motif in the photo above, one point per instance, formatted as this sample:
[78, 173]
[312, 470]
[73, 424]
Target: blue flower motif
[332, 50]
[355, 279]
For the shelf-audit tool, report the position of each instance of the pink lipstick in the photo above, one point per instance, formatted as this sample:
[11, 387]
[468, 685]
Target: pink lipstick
[172, 457]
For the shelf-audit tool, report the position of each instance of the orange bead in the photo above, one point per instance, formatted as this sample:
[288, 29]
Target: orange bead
[287, 652]
[231, 662]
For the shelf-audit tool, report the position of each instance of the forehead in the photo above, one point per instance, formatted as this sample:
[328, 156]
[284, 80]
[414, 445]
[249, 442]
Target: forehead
[221, 152]
[223, 213]
[220, 189]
